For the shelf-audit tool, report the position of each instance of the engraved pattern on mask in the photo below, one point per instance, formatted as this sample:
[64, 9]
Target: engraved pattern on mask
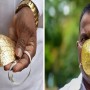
[85, 57]
[7, 54]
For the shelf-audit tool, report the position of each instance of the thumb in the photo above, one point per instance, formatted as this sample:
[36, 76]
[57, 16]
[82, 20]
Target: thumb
[21, 44]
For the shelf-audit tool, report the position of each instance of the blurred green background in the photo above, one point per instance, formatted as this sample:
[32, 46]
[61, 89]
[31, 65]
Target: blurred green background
[61, 34]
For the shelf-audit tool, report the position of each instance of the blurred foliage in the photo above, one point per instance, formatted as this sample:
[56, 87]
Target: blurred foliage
[61, 34]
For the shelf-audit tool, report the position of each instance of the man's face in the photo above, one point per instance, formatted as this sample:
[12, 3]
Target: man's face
[83, 36]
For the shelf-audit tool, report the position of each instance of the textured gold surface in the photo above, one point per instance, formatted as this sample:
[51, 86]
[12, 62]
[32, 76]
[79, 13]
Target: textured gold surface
[7, 54]
[85, 57]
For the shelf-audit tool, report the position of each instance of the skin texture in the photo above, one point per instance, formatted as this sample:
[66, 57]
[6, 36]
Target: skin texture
[23, 32]
[84, 34]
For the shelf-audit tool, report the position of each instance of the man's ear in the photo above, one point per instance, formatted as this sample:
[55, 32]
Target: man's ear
[77, 43]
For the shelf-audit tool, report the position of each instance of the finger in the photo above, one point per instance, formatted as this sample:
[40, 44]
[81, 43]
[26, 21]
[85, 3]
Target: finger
[31, 46]
[7, 67]
[31, 50]
[21, 43]
[22, 63]
[25, 61]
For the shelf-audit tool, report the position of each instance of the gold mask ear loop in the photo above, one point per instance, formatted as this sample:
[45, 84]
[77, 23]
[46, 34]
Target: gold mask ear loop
[10, 73]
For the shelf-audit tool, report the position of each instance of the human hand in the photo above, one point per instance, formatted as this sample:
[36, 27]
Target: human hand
[23, 32]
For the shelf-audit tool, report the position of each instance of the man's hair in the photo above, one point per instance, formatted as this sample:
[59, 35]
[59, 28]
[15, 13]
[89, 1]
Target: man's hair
[85, 10]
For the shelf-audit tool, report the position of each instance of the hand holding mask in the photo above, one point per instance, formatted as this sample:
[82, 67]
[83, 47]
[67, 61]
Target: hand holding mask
[7, 55]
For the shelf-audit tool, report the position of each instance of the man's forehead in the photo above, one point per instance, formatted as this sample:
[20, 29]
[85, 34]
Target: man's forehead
[85, 24]
[85, 19]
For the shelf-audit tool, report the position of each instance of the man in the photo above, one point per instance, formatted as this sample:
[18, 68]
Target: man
[83, 81]
[23, 30]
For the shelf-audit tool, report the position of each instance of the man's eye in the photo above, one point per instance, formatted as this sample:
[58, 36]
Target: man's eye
[83, 39]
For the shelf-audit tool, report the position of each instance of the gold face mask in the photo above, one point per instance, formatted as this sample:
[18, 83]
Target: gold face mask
[7, 54]
[85, 57]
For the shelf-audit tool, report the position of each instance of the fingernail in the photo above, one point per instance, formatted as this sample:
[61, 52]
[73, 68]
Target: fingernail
[19, 52]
